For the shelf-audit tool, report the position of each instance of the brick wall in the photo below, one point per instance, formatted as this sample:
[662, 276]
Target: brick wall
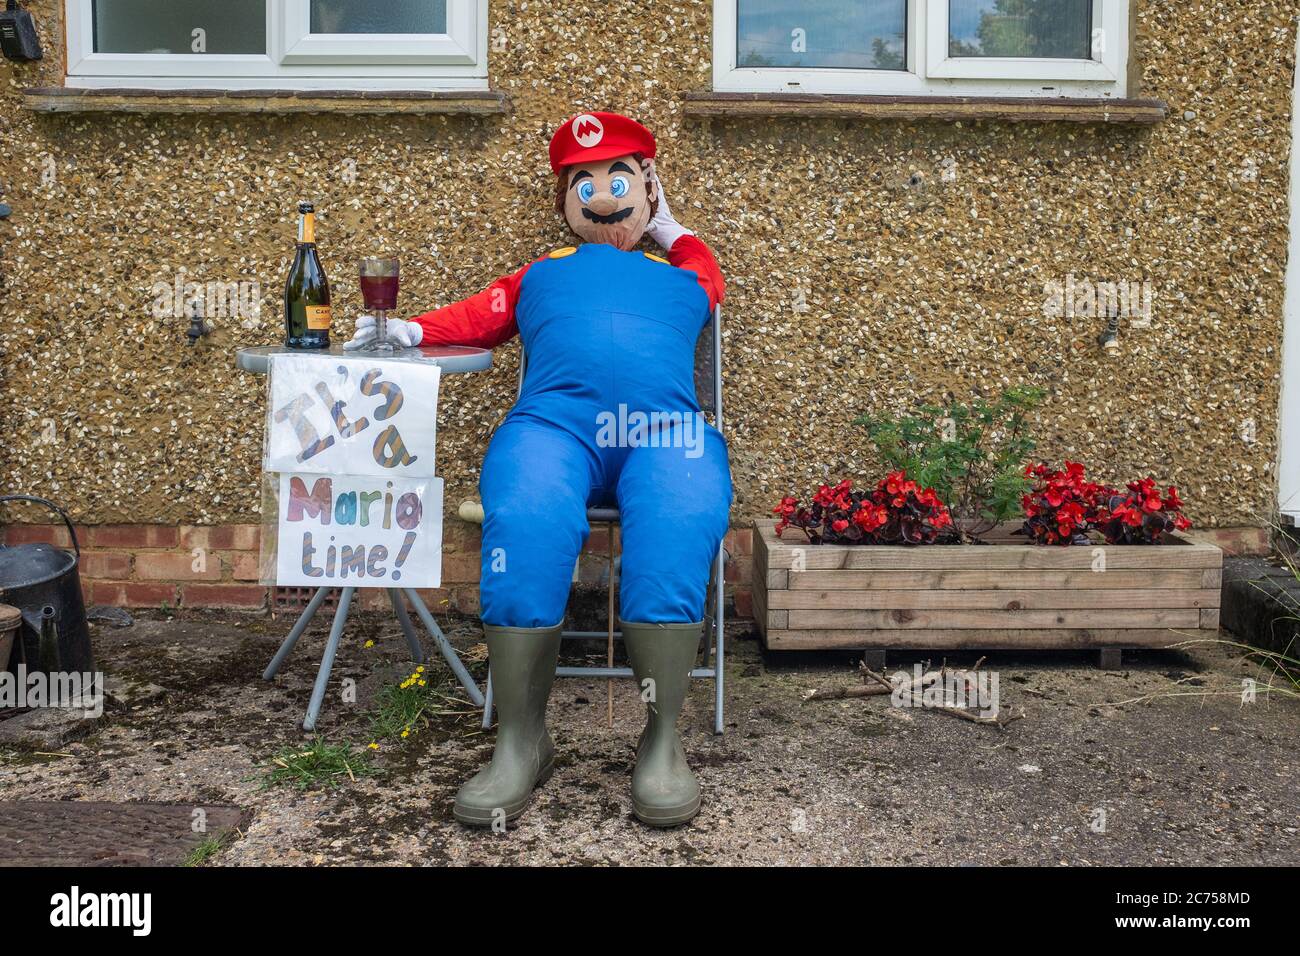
[136, 565]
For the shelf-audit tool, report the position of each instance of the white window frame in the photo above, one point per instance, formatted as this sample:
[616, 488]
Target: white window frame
[295, 57]
[1108, 29]
[930, 71]
[455, 47]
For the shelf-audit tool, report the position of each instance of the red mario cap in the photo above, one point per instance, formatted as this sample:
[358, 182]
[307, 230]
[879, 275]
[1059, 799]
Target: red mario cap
[590, 137]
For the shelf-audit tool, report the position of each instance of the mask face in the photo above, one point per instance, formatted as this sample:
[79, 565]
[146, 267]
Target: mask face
[608, 202]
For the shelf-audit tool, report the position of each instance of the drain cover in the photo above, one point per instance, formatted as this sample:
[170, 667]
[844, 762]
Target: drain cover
[77, 833]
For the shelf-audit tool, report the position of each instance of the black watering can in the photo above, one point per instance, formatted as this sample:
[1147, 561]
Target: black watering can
[42, 582]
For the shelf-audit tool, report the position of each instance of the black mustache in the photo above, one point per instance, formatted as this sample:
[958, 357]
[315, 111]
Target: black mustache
[612, 218]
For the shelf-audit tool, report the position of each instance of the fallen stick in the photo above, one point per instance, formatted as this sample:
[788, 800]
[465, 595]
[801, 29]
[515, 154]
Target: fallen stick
[912, 689]
[942, 677]
[909, 686]
[962, 713]
[880, 679]
[997, 722]
[853, 690]
[881, 687]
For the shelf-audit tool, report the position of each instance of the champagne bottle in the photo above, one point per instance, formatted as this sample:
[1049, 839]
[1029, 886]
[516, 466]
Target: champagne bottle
[307, 291]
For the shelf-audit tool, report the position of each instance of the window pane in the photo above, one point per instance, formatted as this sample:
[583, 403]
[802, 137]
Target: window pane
[1042, 28]
[861, 34]
[367, 16]
[180, 26]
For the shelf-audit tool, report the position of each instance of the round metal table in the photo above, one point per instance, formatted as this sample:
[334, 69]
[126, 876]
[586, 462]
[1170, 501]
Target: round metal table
[454, 360]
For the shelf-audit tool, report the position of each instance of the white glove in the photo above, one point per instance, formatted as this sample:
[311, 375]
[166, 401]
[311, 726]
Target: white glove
[400, 332]
[663, 228]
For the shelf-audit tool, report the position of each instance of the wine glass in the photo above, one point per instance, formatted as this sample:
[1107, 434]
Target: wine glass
[379, 282]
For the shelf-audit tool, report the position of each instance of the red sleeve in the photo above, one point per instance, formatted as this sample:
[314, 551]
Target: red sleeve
[689, 252]
[485, 319]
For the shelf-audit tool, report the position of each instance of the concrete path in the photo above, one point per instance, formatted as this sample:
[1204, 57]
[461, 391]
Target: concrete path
[1190, 775]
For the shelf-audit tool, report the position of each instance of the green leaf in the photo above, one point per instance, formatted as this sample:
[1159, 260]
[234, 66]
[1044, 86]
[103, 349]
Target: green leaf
[979, 472]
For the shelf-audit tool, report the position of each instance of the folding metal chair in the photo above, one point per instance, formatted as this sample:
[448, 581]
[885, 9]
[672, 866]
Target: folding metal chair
[708, 387]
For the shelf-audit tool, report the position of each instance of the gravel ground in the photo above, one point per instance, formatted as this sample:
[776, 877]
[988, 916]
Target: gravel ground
[1192, 779]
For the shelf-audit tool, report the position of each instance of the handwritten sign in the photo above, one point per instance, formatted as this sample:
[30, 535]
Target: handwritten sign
[352, 439]
[343, 415]
[359, 531]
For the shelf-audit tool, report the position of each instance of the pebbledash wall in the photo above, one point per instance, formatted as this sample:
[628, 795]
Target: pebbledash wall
[871, 264]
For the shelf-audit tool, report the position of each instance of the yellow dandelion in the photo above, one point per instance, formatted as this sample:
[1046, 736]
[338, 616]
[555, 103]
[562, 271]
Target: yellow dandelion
[374, 746]
[370, 643]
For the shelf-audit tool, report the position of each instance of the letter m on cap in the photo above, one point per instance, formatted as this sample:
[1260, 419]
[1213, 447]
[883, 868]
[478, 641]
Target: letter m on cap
[588, 130]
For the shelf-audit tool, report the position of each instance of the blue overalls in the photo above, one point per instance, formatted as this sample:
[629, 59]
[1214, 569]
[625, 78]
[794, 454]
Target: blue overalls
[607, 415]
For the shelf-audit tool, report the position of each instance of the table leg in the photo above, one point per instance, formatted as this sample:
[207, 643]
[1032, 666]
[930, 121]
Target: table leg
[719, 653]
[444, 645]
[412, 639]
[327, 662]
[304, 619]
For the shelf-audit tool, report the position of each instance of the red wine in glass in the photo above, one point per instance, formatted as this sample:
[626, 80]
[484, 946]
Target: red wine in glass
[379, 283]
[379, 292]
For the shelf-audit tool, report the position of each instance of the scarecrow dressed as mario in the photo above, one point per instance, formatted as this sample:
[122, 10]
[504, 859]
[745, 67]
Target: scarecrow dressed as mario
[609, 333]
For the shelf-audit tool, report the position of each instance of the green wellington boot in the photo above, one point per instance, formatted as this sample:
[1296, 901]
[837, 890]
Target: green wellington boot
[523, 669]
[664, 791]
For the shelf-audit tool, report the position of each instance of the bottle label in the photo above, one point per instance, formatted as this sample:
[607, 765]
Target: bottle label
[318, 316]
[307, 227]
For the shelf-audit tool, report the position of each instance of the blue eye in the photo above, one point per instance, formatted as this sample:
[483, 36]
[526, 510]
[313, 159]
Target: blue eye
[619, 187]
[585, 191]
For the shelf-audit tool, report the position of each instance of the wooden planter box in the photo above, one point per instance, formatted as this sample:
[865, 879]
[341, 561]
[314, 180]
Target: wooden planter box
[1002, 595]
